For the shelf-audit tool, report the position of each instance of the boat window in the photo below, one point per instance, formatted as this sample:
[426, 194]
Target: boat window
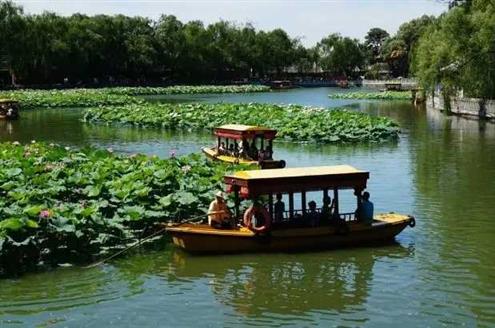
[347, 204]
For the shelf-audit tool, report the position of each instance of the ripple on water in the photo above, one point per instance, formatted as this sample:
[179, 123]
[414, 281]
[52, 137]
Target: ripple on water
[61, 289]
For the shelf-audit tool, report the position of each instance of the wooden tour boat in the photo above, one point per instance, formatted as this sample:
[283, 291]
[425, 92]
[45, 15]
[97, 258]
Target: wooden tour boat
[228, 148]
[290, 231]
[9, 109]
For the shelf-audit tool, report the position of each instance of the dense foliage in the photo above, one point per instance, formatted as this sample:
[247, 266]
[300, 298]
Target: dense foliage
[67, 98]
[382, 95]
[59, 205]
[112, 96]
[186, 89]
[398, 51]
[293, 122]
[459, 50]
[48, 48]
[341, 55]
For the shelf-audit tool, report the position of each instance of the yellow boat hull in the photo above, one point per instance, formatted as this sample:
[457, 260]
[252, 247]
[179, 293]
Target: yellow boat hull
[205, 239]
[266, 164]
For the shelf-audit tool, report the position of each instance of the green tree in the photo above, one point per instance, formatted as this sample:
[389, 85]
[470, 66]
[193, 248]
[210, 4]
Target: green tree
[459, 51]
[12, 27]
[341, 55]
[373, 41]
[397, 50]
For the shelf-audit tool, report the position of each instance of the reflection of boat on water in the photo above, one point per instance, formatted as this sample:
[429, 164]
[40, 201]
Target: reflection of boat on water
[289, 284]
[231, 135]
[295, 229]
[9, 109]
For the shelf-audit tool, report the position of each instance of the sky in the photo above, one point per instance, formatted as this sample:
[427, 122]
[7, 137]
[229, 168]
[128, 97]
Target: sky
[310, 20]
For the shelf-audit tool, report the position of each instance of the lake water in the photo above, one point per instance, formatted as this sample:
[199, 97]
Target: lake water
[440, 273]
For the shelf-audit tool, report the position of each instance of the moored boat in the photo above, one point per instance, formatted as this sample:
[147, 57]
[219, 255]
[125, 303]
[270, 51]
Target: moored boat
[9, 109]
[244, 144]
[294, 229]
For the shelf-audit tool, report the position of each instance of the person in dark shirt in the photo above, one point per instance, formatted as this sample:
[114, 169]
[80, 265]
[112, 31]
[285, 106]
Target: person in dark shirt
[279, 208]
[313, 216]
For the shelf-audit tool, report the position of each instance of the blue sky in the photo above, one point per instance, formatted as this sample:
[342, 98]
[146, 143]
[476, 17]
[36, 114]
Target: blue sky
[310, 20]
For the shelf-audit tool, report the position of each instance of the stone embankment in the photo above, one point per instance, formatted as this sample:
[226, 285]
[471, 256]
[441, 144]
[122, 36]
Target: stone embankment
[474, 107]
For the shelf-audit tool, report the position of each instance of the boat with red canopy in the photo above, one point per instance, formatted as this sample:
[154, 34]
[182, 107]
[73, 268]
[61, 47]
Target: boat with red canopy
[244, 144]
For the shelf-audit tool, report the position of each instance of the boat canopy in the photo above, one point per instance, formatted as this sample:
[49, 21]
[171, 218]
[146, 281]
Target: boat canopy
[263, 182]
[239, 131]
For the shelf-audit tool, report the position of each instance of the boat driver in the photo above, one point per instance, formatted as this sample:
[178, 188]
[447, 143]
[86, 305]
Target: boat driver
[218, 212]
[365, 209]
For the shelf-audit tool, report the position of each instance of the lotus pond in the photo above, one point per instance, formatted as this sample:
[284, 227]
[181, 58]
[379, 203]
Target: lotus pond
[441, 170]
[293, 122]
[112, 96]
[376, 95]
[187, 89]
[60, 205]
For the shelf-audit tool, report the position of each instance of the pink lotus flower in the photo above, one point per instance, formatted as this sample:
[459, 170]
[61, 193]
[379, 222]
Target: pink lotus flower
[45, 214]
[172, 153]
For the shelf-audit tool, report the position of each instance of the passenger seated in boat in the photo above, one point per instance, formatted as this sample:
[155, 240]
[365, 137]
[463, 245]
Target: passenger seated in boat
[364, 212]
[268, 153]
[279, 208]
[244, 149]
[222, 150]
[313, 216]
[326, 209]
[232, 151]
[261, 155]
[253, 151]
[218, 212]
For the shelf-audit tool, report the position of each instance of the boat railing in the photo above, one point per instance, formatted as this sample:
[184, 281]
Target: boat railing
[348, 217]
[296, 214]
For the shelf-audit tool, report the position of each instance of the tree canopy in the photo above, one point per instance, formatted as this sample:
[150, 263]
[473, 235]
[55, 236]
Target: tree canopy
[458, 51]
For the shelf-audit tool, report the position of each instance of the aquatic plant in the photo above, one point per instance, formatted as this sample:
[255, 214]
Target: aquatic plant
[378, 95]
[188, 89]
[294, 123]
[29, 98]
[59, 205]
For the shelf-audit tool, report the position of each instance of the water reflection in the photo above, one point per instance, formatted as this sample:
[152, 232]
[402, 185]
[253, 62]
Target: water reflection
[287, 284]
[454, 177]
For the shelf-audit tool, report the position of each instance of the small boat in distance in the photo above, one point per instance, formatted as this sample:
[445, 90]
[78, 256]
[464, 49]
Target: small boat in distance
[295, 229]
[9, 109]
[244, 144]
[281, 84]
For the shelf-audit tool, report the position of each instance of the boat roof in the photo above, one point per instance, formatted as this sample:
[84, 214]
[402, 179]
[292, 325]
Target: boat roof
[238, 131]
[259, 182]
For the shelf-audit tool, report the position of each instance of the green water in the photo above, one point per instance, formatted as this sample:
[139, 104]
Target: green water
[441, 273]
